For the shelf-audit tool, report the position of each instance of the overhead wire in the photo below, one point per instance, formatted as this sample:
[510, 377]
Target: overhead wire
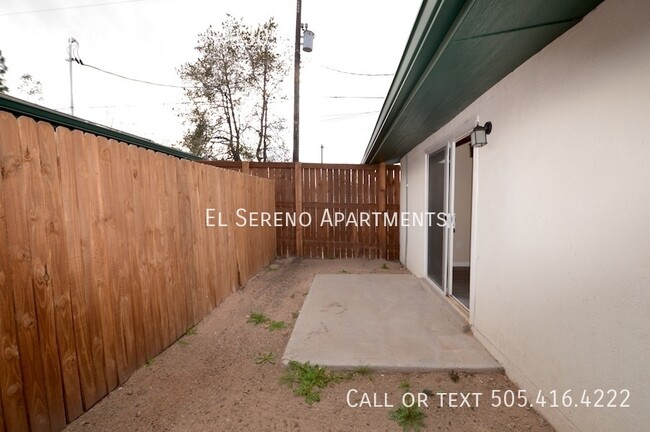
[338, 117]
[354, 97]
[131, 79]
[74, 56]
[68, 7]
[356, 73]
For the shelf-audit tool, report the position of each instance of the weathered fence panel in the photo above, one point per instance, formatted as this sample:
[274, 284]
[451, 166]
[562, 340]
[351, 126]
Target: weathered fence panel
[319, 188]
[106, 260]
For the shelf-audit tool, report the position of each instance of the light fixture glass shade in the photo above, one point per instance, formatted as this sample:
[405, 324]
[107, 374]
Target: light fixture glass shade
[479, 136]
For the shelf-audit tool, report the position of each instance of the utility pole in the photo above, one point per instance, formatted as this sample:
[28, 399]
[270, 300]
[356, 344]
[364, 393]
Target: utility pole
[296, 85]
[70, 42]
[307, 46]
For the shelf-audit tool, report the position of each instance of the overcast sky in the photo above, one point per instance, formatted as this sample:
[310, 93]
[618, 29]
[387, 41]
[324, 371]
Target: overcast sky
[150, 39]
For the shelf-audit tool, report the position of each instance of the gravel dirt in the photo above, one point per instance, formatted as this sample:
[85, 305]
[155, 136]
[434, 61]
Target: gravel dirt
[210, 381]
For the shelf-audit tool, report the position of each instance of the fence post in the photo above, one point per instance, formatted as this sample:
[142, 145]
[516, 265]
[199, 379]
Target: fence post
[297, 178]
[245, 167]
[381, 200]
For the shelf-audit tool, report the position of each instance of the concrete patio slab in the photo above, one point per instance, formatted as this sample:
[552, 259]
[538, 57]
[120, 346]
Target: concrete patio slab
[387, 322]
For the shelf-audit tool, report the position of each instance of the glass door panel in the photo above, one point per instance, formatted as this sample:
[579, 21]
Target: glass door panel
[436, 253]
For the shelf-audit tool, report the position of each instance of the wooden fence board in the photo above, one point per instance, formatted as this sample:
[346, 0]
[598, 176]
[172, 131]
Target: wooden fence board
[75, 273]
[187, 272]
[173, 254]
[59, 277]
[137, 254]
[114, 350]
[211, 257]
[126, 277]
[161, 288]
[195, 264]
[17, 161]
[151, 324]
[41, 269]
[200, 258]
[91, 244]
[103, 305]
[12, 385]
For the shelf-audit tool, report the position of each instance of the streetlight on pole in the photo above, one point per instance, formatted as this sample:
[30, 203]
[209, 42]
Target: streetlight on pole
[307, 46]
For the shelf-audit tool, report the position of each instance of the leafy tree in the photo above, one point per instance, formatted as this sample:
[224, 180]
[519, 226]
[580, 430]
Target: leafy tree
[31, 89]
[3, 70]
[268, 68]
[230, 88]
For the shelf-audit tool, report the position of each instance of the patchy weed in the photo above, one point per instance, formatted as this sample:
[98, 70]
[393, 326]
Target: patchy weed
[191, 331]
[307, 380]
[409, 418]
[266, 358]
[277, 325]
[258, 318]
[363, 370]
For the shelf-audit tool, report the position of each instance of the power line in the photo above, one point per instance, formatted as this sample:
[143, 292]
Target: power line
[355, 73]
[69, 7]
[131, 79]
[130, 105]
[354, 97]
[338, 117]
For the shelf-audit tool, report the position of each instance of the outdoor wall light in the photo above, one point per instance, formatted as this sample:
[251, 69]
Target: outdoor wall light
[480, 133]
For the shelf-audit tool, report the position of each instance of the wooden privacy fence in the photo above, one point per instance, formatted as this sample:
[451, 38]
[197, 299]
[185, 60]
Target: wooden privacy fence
[105, 260]
[325, 189]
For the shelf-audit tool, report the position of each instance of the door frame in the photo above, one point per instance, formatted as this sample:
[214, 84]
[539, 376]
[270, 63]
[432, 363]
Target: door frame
[445, 238]
[460, 133]
[446, 146]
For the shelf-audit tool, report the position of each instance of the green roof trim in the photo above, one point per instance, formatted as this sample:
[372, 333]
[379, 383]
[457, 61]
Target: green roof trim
[37, 112]
[457, 50]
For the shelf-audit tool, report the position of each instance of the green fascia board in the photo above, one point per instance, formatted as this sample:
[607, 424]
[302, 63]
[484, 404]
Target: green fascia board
[23, 108]
[486, 41]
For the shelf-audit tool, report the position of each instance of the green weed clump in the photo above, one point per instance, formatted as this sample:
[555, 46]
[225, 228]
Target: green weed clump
[266, 358]
[409, 418]
[308, 380]
[258, 318]
[363, 370]
[277, 325]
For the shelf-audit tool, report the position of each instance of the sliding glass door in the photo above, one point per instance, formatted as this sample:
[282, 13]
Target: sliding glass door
[437, 191]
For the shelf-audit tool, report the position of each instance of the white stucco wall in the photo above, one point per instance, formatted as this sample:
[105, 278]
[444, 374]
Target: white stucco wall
[562, 217]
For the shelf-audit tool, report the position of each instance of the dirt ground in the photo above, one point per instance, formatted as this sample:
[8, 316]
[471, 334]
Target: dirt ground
[210, 381]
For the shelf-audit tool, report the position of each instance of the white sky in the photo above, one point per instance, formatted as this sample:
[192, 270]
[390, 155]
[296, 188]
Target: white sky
[150, 39]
